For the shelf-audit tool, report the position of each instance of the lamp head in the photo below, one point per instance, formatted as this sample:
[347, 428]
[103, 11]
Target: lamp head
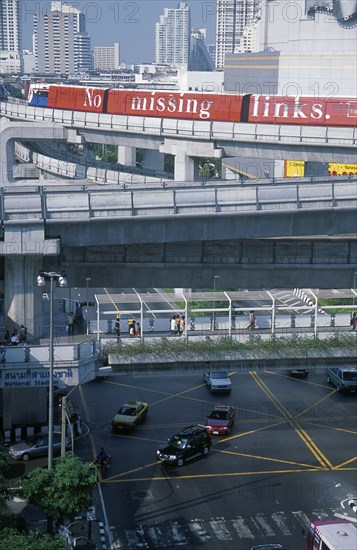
[62, 280]
[40, 281]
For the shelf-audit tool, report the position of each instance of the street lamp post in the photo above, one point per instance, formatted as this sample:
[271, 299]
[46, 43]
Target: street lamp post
[87, 321]
[62, 282]
[64, 413]
[215, 277]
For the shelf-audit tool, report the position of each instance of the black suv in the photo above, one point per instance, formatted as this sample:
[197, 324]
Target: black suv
[185, 445]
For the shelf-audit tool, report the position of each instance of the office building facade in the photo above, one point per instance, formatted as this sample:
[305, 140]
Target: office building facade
[61, 43]
[106, 58]
[172, 36]
[10, 37]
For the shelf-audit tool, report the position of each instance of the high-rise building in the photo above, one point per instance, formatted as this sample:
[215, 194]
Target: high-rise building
[233, 16]
[199, 58]
[10, 37]
[61, 43]
[106, 58]
[172, 36]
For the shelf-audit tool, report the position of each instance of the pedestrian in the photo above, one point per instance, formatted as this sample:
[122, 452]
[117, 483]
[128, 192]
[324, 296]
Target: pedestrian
[23, 334]
[178, 321]
[117, 326]
[70, 324]
[173, 329]
[137, 329]
[182, 325]
[78, 317]
[251, 319]
[131, 326]
[353, 321]
[7, 337]
[14, 339]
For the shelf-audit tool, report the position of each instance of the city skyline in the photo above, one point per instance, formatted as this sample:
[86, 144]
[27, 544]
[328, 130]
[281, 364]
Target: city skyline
[132, 24]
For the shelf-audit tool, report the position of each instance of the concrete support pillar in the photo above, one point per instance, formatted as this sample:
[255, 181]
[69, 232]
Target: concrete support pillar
[126, 155]
[184, 167]
[186, 156]
[153, 160]
[23, 303]
[23, 249]
[7, 170]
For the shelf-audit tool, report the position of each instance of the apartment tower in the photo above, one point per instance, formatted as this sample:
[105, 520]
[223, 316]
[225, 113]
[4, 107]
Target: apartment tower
[10, 37]
[172, 36]
[61, 43]
[233, 16]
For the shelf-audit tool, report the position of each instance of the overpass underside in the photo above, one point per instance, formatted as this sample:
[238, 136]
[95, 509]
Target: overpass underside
[240, 263]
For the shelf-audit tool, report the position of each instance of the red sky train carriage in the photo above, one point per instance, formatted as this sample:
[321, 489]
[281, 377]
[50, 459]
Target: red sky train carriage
[229, 107]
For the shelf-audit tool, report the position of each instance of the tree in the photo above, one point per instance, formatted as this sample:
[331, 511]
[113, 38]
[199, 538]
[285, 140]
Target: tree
[210, 168]
[12, 539]
[6, 516]
[64, 491]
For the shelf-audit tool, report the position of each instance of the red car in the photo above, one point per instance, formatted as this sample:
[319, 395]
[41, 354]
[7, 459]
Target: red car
[221, 420]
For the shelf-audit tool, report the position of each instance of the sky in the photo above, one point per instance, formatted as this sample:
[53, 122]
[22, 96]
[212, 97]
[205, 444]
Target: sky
[131, 23]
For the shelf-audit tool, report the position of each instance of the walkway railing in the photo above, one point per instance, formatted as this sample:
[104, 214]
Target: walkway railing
[200, 129]
[58, 203]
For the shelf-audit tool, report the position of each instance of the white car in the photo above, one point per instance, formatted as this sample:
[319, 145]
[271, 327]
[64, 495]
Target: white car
[218, 382]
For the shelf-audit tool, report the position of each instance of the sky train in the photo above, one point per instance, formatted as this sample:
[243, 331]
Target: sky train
[205, 106]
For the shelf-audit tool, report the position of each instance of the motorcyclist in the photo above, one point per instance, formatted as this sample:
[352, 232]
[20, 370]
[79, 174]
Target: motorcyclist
[102, 458]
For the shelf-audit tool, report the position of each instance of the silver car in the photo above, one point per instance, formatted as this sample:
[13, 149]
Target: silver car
[37, 448]
[218, 382]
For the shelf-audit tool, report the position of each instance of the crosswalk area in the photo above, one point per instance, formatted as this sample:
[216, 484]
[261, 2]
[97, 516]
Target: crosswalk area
[219, 532]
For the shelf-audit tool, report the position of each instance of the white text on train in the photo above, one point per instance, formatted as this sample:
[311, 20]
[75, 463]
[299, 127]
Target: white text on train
[285, 110]
[172, 104]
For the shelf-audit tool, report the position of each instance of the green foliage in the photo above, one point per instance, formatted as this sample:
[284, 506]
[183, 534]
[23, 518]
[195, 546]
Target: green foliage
[106, 153]
[210, 168]
[4, 468]
[64, 491]
[323, 302]
[227, 344]
[6, 516]
[10, 539]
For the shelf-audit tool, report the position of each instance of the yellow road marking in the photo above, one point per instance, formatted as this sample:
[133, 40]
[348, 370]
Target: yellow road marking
[316, 403]
[346, 462]
[132, 471]
[269, 459]
[110, 298]
[224, 439]
[320, 457]
[204, 476]
[335, 428]
[298, 379]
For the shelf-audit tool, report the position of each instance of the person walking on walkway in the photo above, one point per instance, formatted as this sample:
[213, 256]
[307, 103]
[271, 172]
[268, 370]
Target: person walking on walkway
[251, 319]
[70, 324]
[117, 326]
[131, 326]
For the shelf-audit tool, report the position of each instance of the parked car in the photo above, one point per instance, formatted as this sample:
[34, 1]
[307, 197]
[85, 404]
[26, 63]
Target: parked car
[299, 373]
[218, 382]
[24, 450]
[129, 415]
[220, 420]
[187, 444]
[345, 379]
